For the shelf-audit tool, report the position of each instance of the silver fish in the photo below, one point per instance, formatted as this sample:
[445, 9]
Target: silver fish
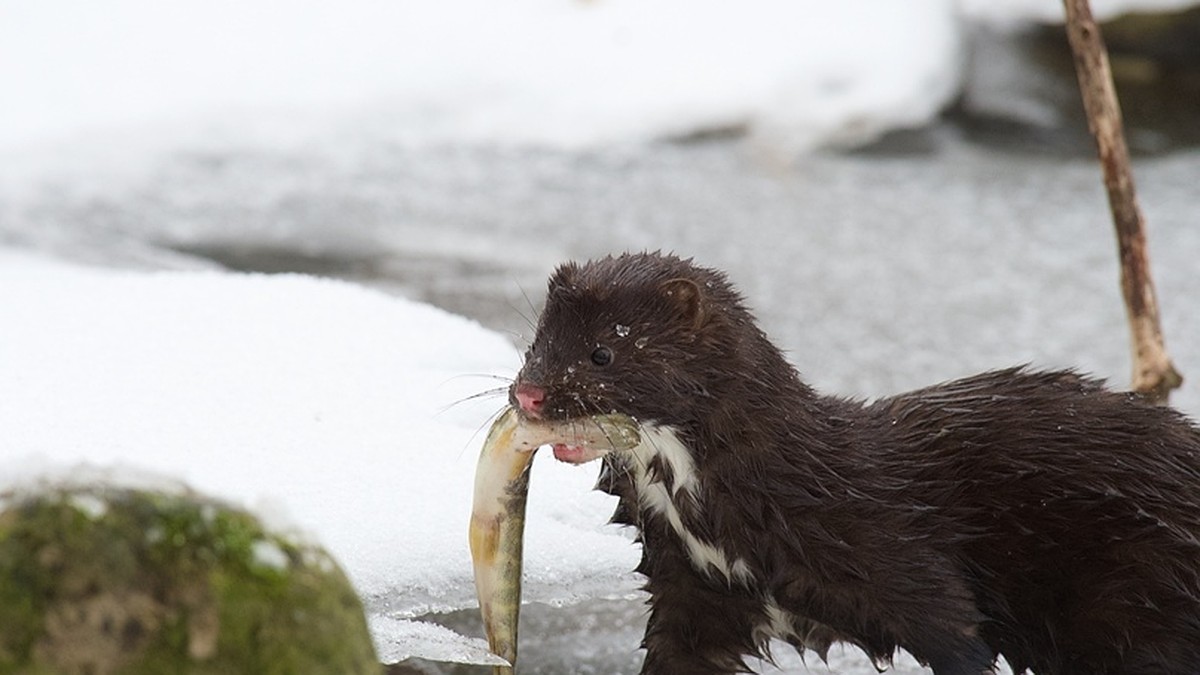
[498, 512]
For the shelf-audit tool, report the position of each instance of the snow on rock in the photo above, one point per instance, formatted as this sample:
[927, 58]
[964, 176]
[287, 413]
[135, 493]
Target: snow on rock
[330, 404]
[564, 73]
[82, 592]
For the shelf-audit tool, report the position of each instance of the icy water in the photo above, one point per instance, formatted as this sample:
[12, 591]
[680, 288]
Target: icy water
[977, 243]
[930, 256]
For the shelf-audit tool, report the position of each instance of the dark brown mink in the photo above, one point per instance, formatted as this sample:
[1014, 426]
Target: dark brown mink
[1032, 515]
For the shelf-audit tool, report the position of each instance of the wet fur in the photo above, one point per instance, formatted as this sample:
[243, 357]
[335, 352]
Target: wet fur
[1034, 515]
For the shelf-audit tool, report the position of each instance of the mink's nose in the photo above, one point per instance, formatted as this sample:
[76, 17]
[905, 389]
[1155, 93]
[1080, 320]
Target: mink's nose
[530, 398]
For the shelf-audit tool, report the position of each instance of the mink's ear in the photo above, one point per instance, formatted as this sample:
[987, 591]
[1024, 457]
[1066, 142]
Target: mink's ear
[687, 300]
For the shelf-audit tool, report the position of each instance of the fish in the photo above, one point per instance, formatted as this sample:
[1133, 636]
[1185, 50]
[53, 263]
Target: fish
[497, 528]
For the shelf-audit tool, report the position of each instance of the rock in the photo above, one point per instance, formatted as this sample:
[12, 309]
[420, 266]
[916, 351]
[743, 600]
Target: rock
[1021, 93]
[98, 579]
[1168, 41]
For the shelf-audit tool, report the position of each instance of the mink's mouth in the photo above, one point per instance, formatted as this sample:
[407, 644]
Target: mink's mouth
[578, 439]
[577, 454]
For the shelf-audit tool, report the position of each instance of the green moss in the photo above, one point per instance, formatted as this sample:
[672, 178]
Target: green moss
[106, 580]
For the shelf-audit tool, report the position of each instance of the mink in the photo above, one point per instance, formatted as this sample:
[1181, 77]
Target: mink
[1033, 515]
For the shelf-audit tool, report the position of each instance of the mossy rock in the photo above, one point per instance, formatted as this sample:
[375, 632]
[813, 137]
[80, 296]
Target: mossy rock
[97, 580]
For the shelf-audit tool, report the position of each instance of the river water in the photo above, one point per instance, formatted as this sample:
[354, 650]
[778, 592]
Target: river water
[928, 256]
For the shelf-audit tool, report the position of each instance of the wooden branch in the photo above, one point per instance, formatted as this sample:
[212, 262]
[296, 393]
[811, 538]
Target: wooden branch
[1153, 373]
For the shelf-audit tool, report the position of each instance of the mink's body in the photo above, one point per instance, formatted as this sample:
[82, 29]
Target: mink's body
[1034, 515]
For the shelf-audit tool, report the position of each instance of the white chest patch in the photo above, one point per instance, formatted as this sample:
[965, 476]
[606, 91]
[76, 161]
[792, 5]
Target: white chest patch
[777, 623]
[656, 496]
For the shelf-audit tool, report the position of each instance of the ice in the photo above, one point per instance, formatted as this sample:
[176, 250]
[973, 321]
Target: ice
[319, 399]
[399, 639]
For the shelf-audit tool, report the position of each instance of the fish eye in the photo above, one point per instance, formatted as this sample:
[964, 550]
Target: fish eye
[602, 356]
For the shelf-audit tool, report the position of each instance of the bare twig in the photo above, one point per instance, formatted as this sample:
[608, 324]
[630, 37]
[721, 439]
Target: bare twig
[1153, 373]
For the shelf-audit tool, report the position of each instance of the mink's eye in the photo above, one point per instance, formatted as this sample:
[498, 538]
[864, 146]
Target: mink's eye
[602, 356]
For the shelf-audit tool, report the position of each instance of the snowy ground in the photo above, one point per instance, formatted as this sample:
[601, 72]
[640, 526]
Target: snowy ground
[561, 72]
[564, 73]
[328, 405]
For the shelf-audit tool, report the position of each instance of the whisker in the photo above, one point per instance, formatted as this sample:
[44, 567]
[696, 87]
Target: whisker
[597, 410]
[516, 336]
[497, 391]
[612, 445]
[638, 459]
[529, 302]
[527, 317]
[588, 411]
[482, 376]
[487, 423]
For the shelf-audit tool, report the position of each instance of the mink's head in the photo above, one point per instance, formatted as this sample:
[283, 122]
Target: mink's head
[648, 335]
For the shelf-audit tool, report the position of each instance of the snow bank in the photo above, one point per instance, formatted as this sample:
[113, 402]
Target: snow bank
[550, 72]
[319, 400]
[563, 73]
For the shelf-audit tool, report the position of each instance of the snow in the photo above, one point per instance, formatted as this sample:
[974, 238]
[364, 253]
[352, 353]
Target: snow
[147, 76]
[321, 400]
[563, 73]
[394, 640]
[268, 554]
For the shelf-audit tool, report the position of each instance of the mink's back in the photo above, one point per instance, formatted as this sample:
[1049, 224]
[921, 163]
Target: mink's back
[1071, 509]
